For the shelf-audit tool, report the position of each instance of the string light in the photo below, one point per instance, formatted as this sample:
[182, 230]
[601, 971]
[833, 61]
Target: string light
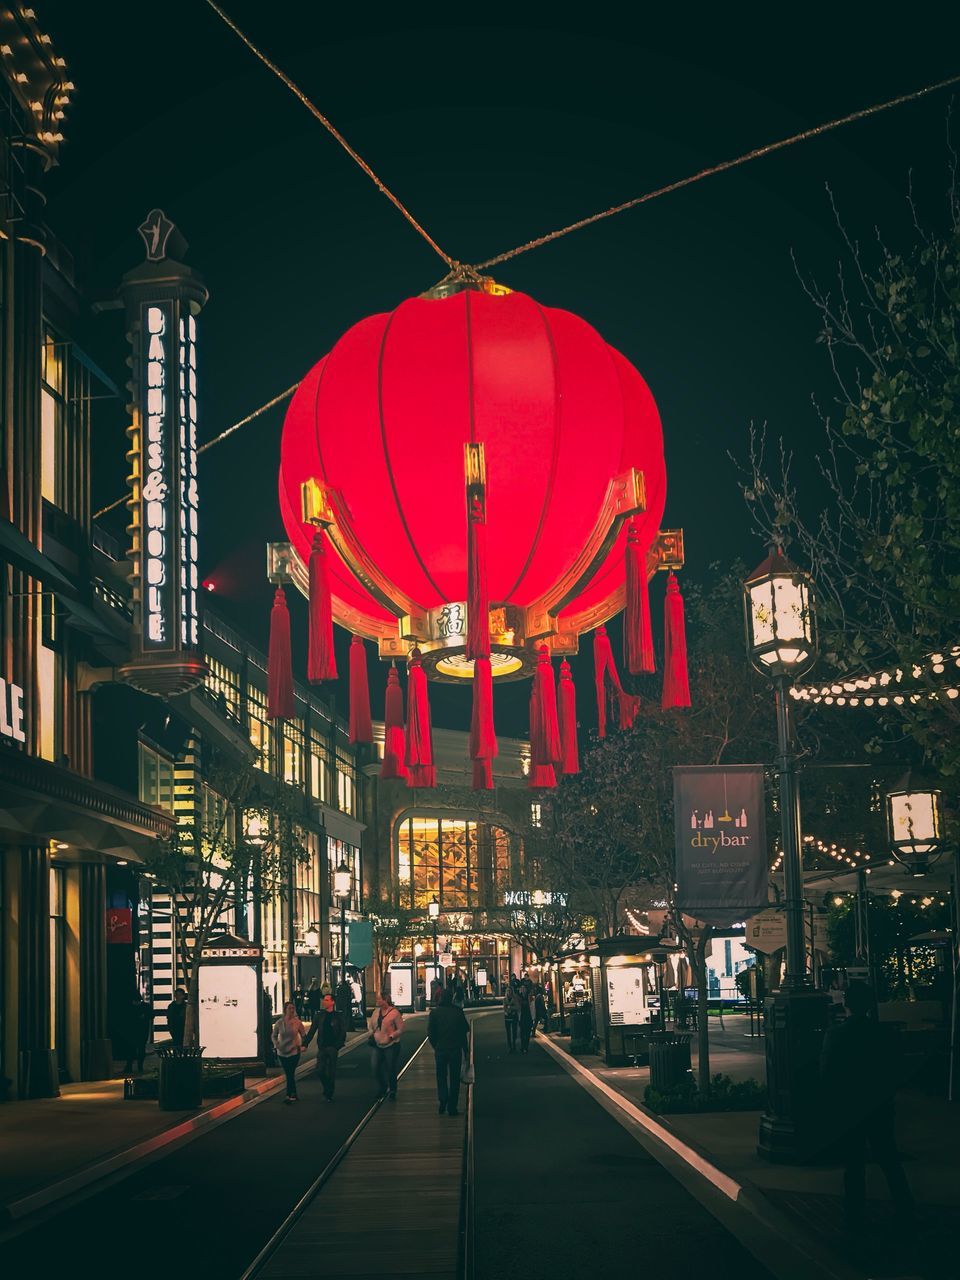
[835, 694]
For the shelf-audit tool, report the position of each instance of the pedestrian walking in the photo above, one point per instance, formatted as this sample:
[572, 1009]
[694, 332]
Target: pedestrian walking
[511, 1018]
[540, 1016]
[386, 1027]
[135, 1032]
[448, 1032]
[177, 1017]
[331, 1032]
[525, 1000]
[314, 998]
[436, 990]
[288, 1037]
[858, 1071]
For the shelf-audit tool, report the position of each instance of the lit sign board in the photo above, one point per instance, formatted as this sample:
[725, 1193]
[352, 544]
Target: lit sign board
[401, 985]
[189, 513]
[533, 898]
[626, 996]
[11, 711]
[156, 476]
[169, 508]
[229, 1007]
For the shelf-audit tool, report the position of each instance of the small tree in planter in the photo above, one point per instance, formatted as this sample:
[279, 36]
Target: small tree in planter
[236, 838]
[392, 925]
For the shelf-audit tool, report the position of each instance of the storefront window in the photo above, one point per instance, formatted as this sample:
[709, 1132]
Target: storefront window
[462, 863]
[51, 421]
[57, 962]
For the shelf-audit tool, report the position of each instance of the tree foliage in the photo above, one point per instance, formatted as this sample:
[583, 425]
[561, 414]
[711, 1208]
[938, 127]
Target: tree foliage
[882, 537]
[392, 925]
[215, 859]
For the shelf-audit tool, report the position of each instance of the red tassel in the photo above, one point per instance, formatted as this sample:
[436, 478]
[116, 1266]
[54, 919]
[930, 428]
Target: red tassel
[676, 684]
[279, 662]
[321, 659]
[483, 775]
[628, 706]
[361, 729]
[567, 698]
[394, 743]
[483, 736]
[602, 659]
[421, 771]
[545, 749]
[637, 628]
[478, 600]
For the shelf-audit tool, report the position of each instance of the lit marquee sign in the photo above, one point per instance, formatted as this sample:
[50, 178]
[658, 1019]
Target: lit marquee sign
[189, 513]
[155, 495]
[163, 298]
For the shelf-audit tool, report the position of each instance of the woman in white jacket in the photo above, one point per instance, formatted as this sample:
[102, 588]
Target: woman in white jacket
[288, 1036]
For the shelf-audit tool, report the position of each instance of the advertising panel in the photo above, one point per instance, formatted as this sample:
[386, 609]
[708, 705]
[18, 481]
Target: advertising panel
[721, 844]
[229, 1006]
[626, 997]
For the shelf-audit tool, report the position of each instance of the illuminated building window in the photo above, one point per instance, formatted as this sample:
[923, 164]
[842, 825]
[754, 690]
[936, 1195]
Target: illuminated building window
[346, 784]
[319, 767]
[223, 685]
[293, 752]
[48, 671]
[216, 819]
[307, 914]
[461, 863]
[536, 814]
[339, 851]
[156, 778]
[259, 726]
[52, 411]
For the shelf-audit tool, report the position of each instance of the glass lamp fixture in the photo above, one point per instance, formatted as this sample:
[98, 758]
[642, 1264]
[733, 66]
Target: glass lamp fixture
[311, 938]
[342, 882]
[780, 617]
[915, 825]
[433, 909]
[255, 829]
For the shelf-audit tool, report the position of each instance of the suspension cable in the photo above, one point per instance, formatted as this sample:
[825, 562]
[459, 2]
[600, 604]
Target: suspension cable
[724, 165]
[112, 506]
[334, 132]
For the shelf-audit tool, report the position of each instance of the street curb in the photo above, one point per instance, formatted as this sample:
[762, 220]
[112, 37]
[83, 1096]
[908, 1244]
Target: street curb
[741, 1192]
[126, 1161]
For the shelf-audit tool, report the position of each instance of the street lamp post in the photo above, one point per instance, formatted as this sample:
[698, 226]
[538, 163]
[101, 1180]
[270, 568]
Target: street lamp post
[343, 889]
[916, 839]
[433, 910]
[782, 644]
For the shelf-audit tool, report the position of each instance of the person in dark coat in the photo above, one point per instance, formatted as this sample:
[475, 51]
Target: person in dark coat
[525, 997]
[177, 1017]
[448, 1032]
[331, 1032]
[135, 1032]
[858, 1072]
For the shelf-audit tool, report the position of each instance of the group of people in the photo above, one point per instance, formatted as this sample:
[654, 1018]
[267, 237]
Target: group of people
[290, 1038]
[524, 1009]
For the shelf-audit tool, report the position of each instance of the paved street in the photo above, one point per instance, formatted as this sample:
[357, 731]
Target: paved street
[563, 1191]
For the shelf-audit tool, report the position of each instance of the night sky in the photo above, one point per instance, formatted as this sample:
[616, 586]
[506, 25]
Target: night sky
[493, 133]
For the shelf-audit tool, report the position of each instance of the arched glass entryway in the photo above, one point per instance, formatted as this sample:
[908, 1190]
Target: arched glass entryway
[466, 864]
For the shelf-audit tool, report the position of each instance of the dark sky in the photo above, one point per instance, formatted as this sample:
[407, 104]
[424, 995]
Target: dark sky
[494, 132]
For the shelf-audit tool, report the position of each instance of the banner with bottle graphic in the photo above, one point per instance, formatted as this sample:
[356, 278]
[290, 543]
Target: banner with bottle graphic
[721, 869]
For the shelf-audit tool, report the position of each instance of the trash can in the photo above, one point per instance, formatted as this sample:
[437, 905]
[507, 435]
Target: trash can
[581, 1030]
[181, 1078]
[669, 1058]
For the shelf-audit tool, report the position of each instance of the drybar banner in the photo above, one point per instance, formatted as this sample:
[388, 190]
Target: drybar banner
[721, 841]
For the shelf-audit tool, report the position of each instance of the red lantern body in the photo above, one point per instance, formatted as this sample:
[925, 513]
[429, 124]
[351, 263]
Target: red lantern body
[381, 424]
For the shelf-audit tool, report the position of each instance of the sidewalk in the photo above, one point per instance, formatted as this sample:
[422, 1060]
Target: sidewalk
[53, 1147]
[810, 1196]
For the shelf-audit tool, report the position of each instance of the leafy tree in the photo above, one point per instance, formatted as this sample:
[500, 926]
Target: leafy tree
[392, 925]
[543, 927]
[236, 837]
[882, 535]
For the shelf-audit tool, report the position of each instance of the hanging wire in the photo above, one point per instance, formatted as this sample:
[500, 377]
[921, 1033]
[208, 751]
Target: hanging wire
[756, 154]
[334, 132]
[216, 440]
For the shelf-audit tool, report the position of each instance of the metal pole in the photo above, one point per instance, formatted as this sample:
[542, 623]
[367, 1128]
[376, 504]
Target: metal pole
[343, 940]
[952, 1081]
[796, 974]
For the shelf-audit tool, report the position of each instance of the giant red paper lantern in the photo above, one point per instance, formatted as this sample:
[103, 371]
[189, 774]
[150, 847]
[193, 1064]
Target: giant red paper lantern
[374, 451]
